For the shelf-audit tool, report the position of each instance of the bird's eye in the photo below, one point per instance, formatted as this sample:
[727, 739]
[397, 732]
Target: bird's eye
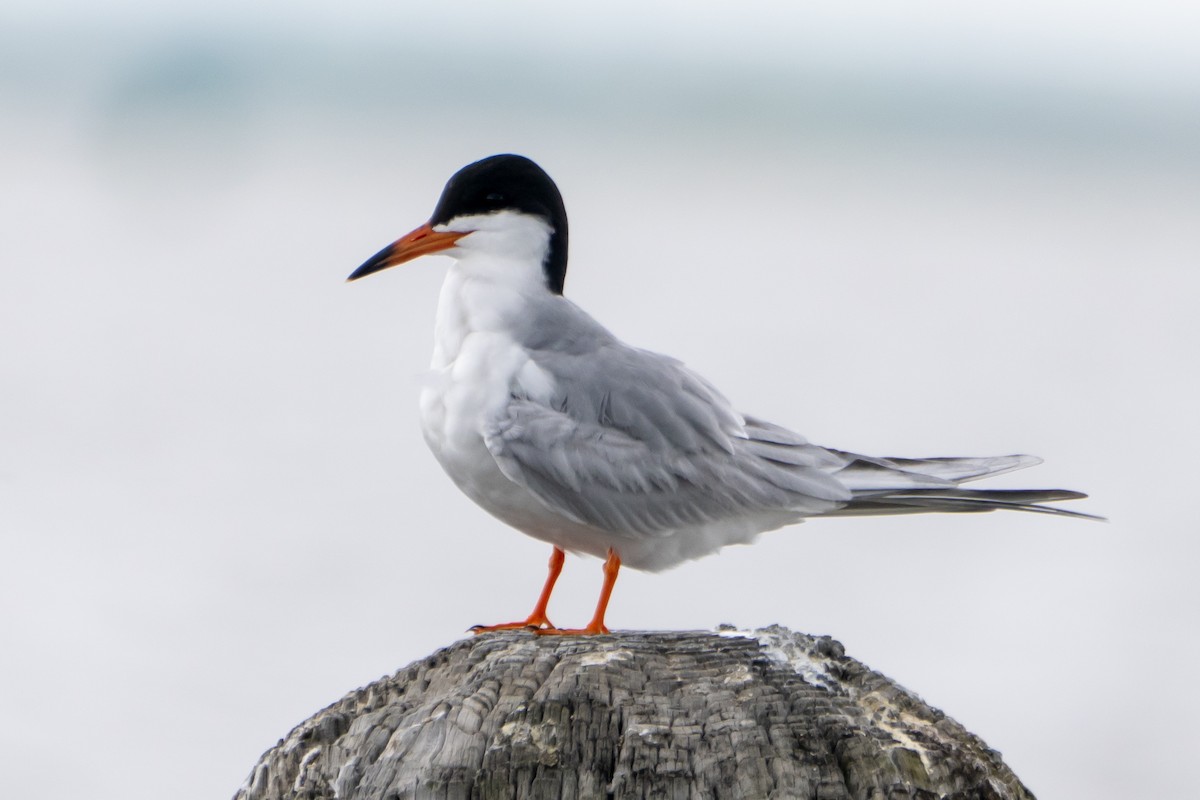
[495, 197]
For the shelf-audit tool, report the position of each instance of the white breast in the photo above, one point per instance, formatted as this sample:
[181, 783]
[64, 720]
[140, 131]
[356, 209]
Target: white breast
[477, 365]
[456, 405]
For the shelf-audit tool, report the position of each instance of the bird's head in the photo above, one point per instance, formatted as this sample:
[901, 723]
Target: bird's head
[506, 204]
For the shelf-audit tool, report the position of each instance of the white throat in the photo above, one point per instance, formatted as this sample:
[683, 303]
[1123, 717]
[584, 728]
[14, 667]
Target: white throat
[498, 272]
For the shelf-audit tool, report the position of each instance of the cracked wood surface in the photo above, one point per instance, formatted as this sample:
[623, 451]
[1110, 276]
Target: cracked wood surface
[767, 714]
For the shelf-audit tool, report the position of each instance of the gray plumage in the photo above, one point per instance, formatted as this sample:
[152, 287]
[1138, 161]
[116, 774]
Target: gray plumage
[635, 443]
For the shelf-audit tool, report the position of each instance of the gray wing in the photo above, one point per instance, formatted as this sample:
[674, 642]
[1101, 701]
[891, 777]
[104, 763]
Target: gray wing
[633, 442]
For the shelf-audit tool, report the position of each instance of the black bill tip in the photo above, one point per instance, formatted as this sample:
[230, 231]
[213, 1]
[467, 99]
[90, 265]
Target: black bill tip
[376, 263]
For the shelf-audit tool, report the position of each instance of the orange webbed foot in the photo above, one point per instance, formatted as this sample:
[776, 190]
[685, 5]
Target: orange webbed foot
[590, 630]
[534, 623]
[537, 621]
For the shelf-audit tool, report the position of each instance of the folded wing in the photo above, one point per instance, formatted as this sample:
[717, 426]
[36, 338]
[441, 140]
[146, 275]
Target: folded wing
[652, 449]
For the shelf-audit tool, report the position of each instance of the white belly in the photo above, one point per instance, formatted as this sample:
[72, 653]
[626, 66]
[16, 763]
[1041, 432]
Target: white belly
[458, 403]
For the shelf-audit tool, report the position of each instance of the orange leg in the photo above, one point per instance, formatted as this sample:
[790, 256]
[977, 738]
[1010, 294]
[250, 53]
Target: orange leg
[538, 618]
[612, 565]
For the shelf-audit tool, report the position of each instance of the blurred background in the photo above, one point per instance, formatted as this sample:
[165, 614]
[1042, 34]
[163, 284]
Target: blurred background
[918, 229]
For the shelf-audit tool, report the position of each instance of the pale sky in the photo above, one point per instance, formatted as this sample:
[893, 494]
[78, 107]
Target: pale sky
[919, 230]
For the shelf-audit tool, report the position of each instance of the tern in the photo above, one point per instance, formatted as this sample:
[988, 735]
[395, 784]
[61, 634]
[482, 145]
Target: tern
[555, 426]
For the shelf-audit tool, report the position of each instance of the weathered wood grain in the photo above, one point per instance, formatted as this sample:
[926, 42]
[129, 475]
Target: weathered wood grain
[773, 714]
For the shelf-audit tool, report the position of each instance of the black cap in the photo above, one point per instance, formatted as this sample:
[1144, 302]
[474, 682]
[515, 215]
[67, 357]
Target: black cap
[510, 183]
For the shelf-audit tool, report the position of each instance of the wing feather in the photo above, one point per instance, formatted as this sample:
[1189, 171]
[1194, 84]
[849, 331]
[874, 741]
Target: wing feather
[635, 443]
[654, 449]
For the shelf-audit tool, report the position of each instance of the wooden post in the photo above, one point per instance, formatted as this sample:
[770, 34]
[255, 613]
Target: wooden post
[726, 714]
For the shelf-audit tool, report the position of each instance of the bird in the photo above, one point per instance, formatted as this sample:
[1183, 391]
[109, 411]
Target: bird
[556, 427]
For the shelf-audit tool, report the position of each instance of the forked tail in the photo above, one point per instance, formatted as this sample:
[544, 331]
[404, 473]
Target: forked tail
[931, 485]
